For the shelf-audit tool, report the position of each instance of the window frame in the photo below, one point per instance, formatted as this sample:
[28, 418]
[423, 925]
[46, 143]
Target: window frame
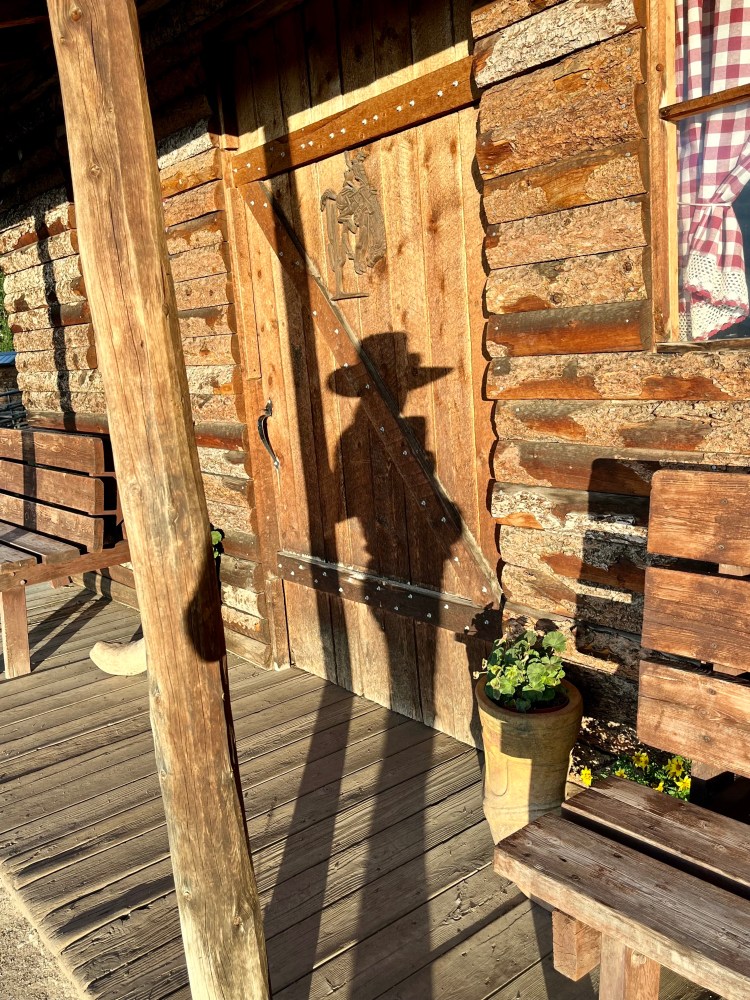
[665, 112]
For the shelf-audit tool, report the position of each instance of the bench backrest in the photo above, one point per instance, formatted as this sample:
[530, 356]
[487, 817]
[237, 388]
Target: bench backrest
[60, 484]
[696, 700]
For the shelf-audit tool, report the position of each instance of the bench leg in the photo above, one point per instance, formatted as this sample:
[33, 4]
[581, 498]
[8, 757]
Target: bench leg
[576, 948]
[627, 975]
[15, 632]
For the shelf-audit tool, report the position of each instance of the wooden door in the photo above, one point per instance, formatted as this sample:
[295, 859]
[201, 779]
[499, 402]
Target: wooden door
[366, 273]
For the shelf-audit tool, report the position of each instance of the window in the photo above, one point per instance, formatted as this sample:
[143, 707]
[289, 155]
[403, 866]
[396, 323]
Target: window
[705, 119]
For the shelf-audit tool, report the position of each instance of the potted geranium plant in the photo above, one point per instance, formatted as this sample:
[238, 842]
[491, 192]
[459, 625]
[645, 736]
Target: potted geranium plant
[530, 719]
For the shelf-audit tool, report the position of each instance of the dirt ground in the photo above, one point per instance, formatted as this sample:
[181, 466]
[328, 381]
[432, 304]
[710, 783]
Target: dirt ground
[27, 970]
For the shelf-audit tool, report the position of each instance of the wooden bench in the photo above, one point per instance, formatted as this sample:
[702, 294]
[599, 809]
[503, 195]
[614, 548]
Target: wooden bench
[59, 515]
[638, 880]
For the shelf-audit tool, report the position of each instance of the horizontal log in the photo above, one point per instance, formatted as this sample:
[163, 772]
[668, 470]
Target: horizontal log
[248, 601]
[551, 34]
[543, 508]
[591, 101]
[200, 263]
[718, 428]
[242, 622]
[607, 651]
[211, 350]
[215, 379]
[41, 279]
[194, 204]
[573, 232]
[614, 556]
[216, 407]
[228, 490]
[62, 245]
[601, 470]
[717, 501]
[698, 616]
[597, 604]
[183, 112]
[66, 292]
[228, 517]
[209, 436]
[208, 321]
[38, 226]
[64, 382]
[190, 173]
[57, 359]
[67, 314]
[240, 544]
[612, 327]
[255, 651]
[240, 573]
[65, 403]
[215, 290]
[221, 460]
[52, 338]
[202, 232]
[586, 179]
[621, 276]
[690, 377]
[704, 717]
[500, 13]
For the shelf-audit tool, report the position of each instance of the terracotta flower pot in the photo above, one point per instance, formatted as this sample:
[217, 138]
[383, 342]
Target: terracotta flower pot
[527, 757]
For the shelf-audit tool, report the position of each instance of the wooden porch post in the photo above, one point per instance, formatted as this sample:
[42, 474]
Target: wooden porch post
[134, 312]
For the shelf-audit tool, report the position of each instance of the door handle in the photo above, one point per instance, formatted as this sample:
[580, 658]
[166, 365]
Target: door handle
[263, 433]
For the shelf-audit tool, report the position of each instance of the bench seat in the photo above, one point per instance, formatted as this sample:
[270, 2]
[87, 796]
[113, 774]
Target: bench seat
[639, 880]
[59, 516]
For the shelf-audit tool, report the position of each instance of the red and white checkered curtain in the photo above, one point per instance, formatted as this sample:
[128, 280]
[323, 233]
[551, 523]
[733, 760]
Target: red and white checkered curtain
[713, 54]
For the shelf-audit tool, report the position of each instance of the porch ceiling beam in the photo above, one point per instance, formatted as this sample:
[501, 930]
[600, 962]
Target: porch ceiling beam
[16, 13]
[123, 252]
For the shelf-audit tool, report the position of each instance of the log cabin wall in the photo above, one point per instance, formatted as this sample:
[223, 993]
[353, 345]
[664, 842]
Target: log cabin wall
[586, 409]
[45, 297]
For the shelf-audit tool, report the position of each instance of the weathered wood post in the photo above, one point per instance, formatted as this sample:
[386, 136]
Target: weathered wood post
[126, 270]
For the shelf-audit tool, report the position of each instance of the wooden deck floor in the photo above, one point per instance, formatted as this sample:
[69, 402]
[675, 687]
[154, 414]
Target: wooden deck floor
[371, 852]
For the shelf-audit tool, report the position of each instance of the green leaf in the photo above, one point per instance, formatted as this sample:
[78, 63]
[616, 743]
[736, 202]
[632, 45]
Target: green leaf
[555, 641]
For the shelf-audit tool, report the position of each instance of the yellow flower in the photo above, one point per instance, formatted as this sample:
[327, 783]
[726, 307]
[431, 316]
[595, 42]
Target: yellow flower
[675, 767]
[659, 787]
[586, 776]
[641, 760]
[621, 773]
[683, 785]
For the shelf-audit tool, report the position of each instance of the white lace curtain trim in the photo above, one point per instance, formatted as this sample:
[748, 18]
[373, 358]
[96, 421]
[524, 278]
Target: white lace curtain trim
[726, 288]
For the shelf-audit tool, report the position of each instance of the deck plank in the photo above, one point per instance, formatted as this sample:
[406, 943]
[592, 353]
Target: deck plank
[372, 856]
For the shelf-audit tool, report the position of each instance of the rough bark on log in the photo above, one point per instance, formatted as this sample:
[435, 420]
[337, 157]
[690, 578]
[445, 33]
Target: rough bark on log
[201, 232]
[194, 204]
[65, 314]
[234, 492]
[597, 604]
[614, 327]
[619, 172]
[590, 101]
[208, 321]
[36, 380]
[224, 408]
[64, 401]
[39, 225]
[500, 13]
[223, 462]
[613, 555]
[35, 254]
[211, 350]
[250, 625]
[200, 263]
[124, 255]
[230, 517]
[718, 428]
[215, 290]
[56, 281]
[579, 281]
[62, 337]
[573, 232]
[690, 377]
[190, 173]
[57, 359]
[552, 34]
[601, 470]
[543, 508]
